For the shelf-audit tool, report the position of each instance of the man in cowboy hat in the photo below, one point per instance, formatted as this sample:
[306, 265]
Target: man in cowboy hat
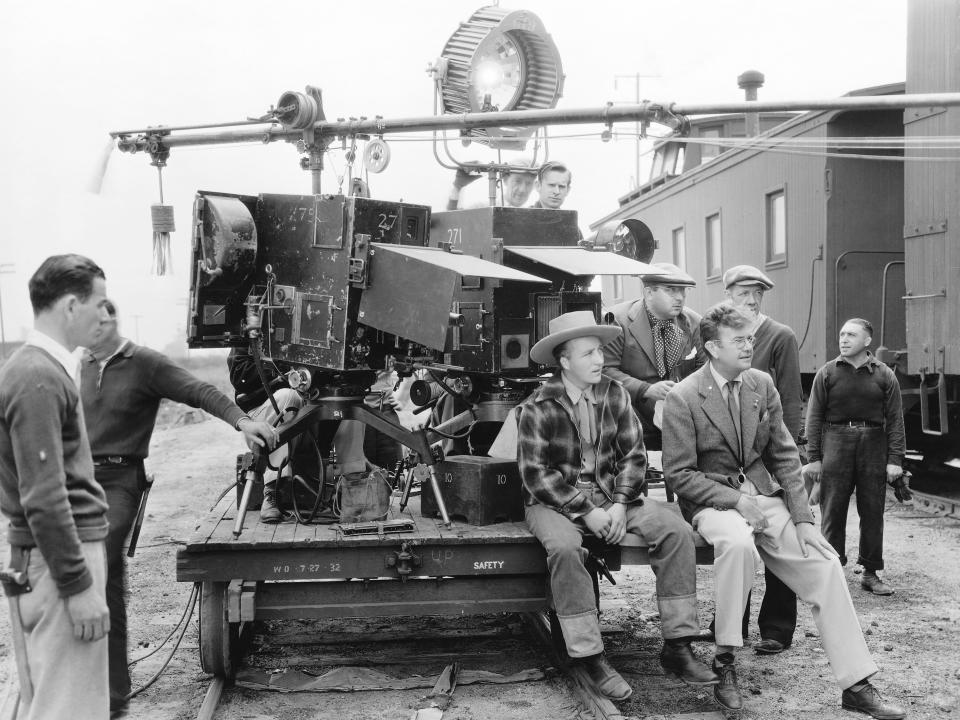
[583, 465]
[659, 344]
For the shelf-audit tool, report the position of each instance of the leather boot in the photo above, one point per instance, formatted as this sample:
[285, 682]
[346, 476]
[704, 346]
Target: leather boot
[867, 700]
[678, 660]
[727, 692]
[269, 512]
[608, 681]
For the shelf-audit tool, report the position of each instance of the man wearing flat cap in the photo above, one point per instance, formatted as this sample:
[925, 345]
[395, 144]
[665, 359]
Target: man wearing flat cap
[659, 345]
[775, 351]
[583, 465]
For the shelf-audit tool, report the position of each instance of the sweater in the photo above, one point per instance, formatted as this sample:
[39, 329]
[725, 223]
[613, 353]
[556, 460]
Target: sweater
[775, 352]
[47, 487]
[121, 400]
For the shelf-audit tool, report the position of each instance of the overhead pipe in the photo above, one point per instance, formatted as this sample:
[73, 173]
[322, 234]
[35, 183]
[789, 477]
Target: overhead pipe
[644, 112]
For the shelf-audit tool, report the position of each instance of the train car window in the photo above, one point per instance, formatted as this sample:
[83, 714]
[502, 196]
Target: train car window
[714, 246]
[680, 247]
[776, 230]
[709, 151]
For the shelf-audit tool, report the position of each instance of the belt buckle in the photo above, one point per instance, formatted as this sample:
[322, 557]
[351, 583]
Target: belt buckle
[115, 459]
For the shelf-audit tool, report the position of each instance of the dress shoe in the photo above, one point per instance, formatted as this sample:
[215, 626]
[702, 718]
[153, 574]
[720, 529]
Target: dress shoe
[608, 681]
[769, 646]
[678, 660]
[874, 584]
[727, 692]
[269, 512]
[867, 700]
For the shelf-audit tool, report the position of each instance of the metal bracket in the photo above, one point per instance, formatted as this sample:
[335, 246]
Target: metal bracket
[403, 560]
[941, 391]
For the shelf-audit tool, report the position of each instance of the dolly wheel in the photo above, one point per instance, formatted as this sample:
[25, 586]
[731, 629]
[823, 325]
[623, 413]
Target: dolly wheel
[219, 639]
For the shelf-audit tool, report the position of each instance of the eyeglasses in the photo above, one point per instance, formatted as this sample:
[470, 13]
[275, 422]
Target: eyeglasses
[740, 342]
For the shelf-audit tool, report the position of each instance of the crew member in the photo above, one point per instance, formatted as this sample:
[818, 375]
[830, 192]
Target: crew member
[56, 510]
[517, 182]
[729, 457]
[553, 185]
[582, 462]
[659, 344]
[122, 385]
[775, 352]
[855, 430]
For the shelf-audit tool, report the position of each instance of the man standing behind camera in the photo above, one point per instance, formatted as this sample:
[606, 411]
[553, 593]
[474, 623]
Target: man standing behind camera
[57, 511]
[122, 385]
[659, 344]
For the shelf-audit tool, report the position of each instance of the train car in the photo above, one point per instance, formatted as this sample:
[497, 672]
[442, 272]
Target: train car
[851, 214]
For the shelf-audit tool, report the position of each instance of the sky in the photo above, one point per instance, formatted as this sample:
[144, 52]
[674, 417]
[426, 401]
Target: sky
[75, 71]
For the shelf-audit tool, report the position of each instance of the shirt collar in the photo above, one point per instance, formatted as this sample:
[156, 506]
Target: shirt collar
[870, 363]
[721, 380]
[63, 356]
[574, 393]
[120, 348]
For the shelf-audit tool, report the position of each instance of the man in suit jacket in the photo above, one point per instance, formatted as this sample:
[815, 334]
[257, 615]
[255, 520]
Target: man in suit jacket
[659, 345]
[729, 457]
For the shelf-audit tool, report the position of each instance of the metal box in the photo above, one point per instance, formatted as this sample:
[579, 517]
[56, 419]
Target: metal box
[477, 490]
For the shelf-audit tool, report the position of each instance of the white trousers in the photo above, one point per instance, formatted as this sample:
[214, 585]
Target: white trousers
[69, 676]
[816, 579]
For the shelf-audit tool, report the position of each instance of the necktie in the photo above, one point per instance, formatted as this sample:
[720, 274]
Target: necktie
[733, 392]
[667, 345]
[584, 420]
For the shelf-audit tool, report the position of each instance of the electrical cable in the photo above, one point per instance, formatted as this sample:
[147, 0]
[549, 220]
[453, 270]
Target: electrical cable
[185, 622]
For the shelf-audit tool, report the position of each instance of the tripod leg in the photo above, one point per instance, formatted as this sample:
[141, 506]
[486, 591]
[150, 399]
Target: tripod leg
[244, 502]
[405, 496]
[441, 505]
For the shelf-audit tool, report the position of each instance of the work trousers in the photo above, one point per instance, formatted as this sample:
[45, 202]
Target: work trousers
[816, 579]
[854, 461]
[69, 676]
[287, 399]
[672, 558]
[123, 485]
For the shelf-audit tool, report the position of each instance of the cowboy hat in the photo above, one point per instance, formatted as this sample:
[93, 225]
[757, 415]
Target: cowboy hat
[567, 327]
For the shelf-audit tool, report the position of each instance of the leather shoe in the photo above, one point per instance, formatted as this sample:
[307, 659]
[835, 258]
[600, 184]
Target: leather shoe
[608, 681]
[679, 661]
[867, 700]
[769, 646]
[874, 584]
[727, 692]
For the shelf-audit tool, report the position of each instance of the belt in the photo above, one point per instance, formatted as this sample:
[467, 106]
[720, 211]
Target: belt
[116, 460]
[856, 424]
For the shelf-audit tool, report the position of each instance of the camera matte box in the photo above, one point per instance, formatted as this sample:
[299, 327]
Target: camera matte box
[477, 490]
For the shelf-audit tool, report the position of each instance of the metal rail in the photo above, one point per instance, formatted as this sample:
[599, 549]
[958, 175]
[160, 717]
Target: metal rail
[608, 114]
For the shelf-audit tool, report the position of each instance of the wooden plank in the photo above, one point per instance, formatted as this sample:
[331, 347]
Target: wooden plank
[207, 527]
[380, 635]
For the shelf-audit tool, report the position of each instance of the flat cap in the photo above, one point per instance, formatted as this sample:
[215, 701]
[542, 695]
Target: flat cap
[746, 275]
[667, 274]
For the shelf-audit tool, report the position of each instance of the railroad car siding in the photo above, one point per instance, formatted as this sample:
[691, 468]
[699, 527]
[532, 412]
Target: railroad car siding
[931, 207]
[835, 209]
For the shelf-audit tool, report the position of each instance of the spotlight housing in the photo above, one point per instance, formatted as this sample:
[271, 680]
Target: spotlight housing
[499, 60]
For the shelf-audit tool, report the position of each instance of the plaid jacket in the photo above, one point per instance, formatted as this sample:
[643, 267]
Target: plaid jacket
[549, 448]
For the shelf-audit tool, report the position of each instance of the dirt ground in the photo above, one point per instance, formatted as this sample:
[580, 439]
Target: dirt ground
[914, 634]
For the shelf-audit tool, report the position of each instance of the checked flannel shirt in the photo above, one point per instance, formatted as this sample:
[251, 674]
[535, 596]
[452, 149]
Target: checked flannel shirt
[549, 448]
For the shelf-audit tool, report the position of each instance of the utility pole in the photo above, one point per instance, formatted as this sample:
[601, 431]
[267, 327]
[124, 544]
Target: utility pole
[136, 328]
[636, 99]
[5, 269]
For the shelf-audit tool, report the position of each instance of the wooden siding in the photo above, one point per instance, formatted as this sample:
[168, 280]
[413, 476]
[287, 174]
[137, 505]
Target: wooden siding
[736, 184]
[931, 207]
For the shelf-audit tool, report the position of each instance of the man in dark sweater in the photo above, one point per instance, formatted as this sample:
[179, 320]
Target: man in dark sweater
[775, 352]
[56, 510]
[122, 385]
[855, 431]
